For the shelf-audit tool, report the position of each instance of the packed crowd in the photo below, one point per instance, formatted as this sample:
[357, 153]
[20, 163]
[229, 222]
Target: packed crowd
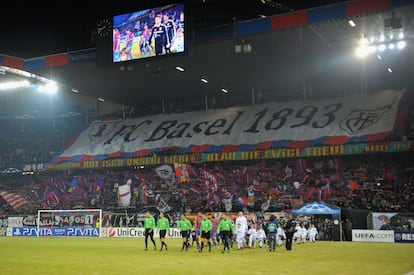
[34, 141]
[378, 183]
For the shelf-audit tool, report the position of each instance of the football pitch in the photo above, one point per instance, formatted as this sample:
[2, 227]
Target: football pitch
[60, 255]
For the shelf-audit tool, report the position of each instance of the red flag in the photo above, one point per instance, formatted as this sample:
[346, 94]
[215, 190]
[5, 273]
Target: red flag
[183, 172]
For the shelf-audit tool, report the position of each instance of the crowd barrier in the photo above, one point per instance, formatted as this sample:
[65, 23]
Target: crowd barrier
[110, 232]
[358, 235]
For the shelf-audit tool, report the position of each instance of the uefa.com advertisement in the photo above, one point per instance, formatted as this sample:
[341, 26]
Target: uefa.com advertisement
[382, 236]
[377, 236]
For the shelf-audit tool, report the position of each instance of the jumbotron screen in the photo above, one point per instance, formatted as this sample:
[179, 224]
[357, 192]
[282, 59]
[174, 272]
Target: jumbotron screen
[157, 31]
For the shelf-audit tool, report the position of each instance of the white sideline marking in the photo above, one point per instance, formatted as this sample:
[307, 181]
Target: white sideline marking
[410, 273]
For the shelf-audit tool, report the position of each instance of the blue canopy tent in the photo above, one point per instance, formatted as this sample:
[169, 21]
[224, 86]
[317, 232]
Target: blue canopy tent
[320, 208]
[315, 208]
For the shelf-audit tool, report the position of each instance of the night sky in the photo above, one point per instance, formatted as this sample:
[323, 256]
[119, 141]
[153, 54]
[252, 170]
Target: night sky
[37, 28]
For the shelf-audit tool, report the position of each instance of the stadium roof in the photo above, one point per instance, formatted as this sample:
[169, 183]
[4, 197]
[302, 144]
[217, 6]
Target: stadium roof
[297, 55]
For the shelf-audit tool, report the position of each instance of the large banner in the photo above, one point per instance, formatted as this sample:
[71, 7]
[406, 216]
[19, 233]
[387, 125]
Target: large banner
[380, 218]
[331, 121]
[403, 221]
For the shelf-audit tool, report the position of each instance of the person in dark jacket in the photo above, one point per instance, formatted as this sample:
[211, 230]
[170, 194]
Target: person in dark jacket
[289, 231]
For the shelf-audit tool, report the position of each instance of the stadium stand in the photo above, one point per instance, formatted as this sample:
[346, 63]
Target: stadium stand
[32, 140]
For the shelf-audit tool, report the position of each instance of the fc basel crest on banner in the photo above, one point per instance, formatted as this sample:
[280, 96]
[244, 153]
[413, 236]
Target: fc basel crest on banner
[359, 120]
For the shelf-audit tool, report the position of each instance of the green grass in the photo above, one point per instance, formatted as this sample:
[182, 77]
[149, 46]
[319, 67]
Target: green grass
[48, 255]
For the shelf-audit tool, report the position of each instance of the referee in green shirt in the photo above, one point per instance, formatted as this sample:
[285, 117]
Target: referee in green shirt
[226, 228]
[149, 225]
[205, 231]
[184, 225]
[163, 226]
